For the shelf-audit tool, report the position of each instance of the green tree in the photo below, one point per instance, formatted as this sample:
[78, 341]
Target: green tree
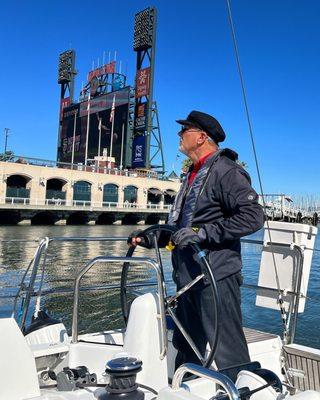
[7, 156]
[186, 163]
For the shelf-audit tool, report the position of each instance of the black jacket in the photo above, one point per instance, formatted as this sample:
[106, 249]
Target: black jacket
[222, 204]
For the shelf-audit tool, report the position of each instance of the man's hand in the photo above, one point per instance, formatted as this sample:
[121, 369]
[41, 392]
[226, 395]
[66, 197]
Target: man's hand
[139, 238]
[185, 236]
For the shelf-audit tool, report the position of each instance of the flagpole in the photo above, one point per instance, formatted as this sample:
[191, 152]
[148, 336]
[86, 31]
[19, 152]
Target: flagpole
[112, 131]
[87, 137]
[74, 136]
[99, 143]
[121, 153]
[112, 125]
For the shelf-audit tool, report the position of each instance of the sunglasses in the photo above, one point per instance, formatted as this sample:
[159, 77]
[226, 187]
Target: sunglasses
[186, 128]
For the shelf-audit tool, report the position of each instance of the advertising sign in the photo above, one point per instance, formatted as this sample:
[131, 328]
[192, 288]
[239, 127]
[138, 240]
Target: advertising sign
[105, 69]
[139, 152]
[143, 82]
[64, 103]
[140, 117]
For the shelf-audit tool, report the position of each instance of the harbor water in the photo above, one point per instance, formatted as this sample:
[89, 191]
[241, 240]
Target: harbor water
[100, 309]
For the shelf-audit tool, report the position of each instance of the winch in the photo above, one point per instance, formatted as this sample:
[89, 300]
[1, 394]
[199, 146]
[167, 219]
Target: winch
[122, 372]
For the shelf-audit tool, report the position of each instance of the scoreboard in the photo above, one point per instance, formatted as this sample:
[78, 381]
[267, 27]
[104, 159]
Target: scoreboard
[74, 128]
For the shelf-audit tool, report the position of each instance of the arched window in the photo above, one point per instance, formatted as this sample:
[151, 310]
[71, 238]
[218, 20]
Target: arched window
[169, 196]
[130, 194]
[54, 191]
[82, 191]
[154, 196]
[110, 193]
[17, 187]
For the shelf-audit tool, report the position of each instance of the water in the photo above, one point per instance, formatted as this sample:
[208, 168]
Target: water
[101, 309]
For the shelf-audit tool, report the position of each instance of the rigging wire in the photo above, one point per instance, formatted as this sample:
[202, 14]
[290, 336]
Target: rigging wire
[244, 94]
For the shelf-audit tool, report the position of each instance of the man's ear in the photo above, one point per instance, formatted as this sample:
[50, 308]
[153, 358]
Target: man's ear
[201, 139]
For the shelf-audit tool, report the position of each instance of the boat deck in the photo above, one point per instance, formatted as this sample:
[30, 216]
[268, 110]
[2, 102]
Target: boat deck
[303, 363]
[253, 336]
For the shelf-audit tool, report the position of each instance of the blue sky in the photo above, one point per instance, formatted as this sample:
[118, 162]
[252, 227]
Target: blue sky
[195, 69]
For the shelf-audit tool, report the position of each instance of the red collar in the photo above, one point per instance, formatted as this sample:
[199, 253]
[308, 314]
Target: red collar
[197, 166]
[201, 161]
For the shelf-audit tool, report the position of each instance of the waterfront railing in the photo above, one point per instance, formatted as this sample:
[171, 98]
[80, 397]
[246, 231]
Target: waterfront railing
[57, 203]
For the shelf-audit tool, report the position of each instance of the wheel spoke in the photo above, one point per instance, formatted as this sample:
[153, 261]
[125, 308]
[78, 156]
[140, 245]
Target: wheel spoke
[186, 335]
[185, 288]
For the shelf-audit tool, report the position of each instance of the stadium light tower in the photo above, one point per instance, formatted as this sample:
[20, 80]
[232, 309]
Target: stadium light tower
[66, 74]
[146, 138]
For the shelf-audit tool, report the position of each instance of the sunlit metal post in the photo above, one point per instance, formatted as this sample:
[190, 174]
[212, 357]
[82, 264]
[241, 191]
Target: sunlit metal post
[6, 134]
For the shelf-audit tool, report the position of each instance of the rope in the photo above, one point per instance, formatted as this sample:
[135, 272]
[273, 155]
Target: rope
[280, 298]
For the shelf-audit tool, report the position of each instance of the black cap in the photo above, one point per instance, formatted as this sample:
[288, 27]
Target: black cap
[206, 123]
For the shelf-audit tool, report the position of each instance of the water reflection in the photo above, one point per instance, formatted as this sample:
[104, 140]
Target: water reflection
[101, 309]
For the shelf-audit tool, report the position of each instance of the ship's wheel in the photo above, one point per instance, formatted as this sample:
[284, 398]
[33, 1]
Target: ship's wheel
[172, 301]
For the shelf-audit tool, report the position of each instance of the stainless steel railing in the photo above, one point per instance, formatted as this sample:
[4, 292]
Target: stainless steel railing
[34, 265]
[132, 260]
[28, 290]
[210, 374]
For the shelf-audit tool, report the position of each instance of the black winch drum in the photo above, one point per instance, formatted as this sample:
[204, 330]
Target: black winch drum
[123, 373]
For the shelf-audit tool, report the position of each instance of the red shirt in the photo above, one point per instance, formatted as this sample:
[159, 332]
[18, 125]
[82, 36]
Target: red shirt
[197, 166]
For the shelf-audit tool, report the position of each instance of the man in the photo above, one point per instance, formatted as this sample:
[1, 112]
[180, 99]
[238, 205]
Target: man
[214, 208]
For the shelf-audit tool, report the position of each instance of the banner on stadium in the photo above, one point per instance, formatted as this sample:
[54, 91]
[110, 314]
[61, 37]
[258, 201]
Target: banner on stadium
[139, 152]
[63, 104]
[141, 116]
[143, 82]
